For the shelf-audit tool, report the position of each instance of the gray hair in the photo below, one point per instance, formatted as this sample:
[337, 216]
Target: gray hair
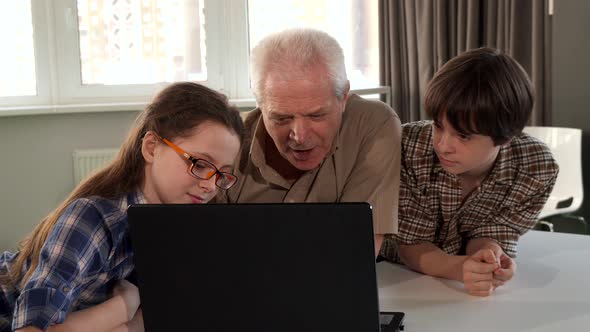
[297, 49]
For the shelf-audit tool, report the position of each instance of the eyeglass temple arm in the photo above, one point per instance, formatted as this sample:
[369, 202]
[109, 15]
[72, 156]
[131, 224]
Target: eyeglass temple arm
[177, 149]
[187, 156]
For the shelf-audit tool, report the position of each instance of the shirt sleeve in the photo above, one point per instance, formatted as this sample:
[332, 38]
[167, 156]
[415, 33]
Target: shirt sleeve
[375, 176]
[416, 222]
[76, 249]
[511, 222]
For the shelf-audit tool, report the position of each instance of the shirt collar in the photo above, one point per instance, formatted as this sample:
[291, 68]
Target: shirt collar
[503, 171]
[136, 197]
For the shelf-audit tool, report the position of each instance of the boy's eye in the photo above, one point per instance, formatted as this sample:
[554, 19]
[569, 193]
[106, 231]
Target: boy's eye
[464, 137]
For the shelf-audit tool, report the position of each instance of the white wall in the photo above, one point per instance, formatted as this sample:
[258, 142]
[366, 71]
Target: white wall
[36, 171]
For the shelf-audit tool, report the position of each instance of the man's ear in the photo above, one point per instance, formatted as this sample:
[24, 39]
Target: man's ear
[148, 146]
[345, 95]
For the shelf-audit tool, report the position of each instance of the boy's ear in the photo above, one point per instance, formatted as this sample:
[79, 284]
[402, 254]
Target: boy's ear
[148, 146]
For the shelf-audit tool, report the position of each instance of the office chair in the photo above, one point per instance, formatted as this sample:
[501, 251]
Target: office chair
[568, 192]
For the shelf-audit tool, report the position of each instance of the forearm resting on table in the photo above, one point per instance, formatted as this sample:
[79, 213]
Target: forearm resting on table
[475, 245]
[100, 318]
[428, 259]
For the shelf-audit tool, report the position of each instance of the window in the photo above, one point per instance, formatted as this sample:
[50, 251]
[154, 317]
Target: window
[141, 42]
[74, 52]
[124, 50]
[352, 22]
[17, 59]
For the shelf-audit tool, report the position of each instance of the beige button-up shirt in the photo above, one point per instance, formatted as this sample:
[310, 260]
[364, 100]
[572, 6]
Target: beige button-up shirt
[363, 166]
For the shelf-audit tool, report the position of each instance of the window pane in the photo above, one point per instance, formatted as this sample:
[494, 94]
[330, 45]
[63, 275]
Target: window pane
[354, 23]
[17, 58]
[141, 41]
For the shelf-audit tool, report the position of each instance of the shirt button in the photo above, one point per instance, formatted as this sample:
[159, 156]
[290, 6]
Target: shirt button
[66, 289]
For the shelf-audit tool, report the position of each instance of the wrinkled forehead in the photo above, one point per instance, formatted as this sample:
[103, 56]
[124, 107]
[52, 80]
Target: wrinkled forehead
[297, 95]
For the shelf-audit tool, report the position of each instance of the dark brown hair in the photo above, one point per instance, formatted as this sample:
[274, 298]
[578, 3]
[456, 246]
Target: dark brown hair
[174, 112]
[481, 91]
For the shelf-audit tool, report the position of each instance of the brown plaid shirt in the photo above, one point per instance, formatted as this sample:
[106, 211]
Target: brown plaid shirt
[502, 208]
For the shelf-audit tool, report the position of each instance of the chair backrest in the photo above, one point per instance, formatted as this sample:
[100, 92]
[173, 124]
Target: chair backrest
[566, 146]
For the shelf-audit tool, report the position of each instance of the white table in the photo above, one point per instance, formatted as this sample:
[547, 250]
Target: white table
[550, 292]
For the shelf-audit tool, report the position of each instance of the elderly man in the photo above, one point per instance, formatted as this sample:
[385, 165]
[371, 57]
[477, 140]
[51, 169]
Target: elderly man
[310, 140]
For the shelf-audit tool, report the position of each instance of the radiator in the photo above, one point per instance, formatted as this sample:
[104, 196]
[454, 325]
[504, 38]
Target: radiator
[87, 161]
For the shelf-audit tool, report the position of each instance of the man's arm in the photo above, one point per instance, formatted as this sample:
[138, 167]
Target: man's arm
[375, 175]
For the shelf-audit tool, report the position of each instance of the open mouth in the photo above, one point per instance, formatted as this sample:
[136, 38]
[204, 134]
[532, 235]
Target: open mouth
[302, 155]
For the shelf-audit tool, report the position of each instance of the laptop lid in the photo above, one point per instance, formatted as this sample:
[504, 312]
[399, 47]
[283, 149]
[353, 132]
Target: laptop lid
[256, 267]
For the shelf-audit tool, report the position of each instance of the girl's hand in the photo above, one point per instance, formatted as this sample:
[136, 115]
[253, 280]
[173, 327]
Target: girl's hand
[130, 295]
[136, 324]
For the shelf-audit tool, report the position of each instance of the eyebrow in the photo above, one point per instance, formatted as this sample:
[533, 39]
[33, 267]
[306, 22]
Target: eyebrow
[321, 109]
[210, 159]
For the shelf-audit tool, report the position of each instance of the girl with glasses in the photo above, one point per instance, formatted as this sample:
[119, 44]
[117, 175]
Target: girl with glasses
[70, 273]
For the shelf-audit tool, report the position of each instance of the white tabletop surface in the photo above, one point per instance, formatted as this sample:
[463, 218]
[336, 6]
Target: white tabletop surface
[550, 292]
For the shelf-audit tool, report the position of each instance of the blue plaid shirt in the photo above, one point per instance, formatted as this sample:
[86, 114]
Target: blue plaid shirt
[87, 251]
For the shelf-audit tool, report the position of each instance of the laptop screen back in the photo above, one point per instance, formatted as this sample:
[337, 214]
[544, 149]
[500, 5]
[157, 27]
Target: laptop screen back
[256, 267]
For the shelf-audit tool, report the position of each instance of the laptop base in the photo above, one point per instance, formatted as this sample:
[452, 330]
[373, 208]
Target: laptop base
[391, 321]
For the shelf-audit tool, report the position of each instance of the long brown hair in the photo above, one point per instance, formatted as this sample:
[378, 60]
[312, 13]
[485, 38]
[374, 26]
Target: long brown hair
[174, 112]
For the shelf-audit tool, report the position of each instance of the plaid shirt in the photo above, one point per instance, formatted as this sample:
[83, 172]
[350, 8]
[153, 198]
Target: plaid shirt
[502, 208]
[87, 251]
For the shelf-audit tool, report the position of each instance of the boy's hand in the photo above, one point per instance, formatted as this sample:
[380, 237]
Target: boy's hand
[478, 273]
[506, 270]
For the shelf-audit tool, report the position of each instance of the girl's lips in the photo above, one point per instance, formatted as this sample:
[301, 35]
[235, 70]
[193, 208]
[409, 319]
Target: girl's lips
[196, 199]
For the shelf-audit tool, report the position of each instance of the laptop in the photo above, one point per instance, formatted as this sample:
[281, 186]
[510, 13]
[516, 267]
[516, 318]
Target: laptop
[258, 267]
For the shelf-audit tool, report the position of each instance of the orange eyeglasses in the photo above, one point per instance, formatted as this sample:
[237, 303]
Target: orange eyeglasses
[204, 170]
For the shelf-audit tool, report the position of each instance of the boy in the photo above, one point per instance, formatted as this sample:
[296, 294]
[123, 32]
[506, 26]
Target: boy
[471, 182]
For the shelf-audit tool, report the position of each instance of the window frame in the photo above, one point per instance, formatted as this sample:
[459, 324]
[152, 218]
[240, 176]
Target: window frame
[58, 74]
[43, 59]
[221, 67]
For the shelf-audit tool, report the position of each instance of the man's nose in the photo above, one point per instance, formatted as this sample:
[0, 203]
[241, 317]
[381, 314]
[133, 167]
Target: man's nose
[299, 131]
